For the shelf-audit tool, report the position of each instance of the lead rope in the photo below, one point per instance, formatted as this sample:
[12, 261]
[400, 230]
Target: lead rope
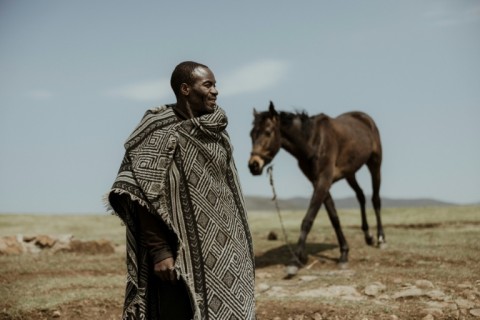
[285, 237]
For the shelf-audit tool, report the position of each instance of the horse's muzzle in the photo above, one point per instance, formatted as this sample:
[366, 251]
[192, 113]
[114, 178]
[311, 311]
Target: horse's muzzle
[255, 164]
[255, 168]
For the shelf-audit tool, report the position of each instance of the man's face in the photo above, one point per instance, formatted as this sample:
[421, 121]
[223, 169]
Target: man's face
[202, 95]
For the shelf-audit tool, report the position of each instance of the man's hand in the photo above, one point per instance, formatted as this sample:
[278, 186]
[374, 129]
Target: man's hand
[165, 270]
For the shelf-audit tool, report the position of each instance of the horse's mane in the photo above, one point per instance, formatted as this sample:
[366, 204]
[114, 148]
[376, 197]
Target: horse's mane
[286, 118]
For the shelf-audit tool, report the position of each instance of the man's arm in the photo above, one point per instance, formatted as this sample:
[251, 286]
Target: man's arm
[155, 234]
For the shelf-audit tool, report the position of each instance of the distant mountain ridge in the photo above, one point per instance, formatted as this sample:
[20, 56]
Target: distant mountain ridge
[300, 203]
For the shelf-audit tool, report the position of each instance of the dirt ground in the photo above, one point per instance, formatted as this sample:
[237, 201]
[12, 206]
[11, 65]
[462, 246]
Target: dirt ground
[428, 271]
[322, 290]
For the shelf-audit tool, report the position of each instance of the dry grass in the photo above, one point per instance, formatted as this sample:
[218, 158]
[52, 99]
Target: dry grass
[438, 244]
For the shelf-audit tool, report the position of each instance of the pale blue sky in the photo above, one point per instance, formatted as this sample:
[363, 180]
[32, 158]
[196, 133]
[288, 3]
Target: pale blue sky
[76, 77]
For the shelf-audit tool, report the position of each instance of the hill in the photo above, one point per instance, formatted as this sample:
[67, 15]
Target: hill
[301, 203]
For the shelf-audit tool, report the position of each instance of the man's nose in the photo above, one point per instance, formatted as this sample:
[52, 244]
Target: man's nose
[214, 91]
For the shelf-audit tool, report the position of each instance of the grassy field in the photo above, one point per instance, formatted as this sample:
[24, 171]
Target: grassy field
[437, 245]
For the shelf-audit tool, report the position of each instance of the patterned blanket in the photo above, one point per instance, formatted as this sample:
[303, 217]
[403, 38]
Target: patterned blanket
[183, 171]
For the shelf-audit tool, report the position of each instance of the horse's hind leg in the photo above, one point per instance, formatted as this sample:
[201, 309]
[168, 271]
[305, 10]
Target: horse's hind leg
[352, 181]
[332, 214]
[374, 167]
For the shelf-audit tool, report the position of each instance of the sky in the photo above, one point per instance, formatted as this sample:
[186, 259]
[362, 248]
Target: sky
[77, 76]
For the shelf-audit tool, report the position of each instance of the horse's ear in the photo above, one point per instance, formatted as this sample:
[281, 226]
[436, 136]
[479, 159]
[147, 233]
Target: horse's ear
[255, 112]
[272, 110]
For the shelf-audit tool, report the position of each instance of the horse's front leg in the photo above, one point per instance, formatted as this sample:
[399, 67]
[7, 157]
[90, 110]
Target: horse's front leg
[318, 197]
[300, 257]
[307, 222]
[342, 242]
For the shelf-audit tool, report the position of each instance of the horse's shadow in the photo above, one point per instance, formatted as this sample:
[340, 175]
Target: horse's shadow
[284, 255]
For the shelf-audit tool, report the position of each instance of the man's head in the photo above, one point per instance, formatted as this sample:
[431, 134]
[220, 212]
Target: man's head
[183, 73]
[194, 84]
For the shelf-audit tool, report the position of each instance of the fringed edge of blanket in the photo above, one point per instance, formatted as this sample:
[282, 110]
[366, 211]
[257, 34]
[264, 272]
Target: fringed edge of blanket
[181, 273]
[108, 206]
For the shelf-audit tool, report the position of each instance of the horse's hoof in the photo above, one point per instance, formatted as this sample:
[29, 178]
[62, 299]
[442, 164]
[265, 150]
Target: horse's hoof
[291, 271]
[370, 241]
[382, 245]
[343, 261]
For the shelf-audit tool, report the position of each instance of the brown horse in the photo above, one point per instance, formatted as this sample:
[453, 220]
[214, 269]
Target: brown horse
[327, 150]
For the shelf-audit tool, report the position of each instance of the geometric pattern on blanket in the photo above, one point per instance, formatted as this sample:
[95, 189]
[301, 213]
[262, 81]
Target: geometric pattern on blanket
[199, 198]
[222, 230]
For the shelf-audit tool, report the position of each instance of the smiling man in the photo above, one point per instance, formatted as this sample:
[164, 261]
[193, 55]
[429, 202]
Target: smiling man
[189, 248]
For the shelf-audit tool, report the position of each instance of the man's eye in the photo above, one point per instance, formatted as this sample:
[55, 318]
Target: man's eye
[211, 85]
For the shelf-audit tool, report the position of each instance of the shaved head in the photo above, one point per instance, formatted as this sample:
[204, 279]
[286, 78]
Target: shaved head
[183, 73]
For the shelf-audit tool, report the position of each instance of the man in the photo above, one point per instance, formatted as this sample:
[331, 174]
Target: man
[189, 249]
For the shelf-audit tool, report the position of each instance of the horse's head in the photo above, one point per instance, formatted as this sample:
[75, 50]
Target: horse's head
[265, 136]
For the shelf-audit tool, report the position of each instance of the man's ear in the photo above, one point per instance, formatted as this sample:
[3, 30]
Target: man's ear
[184, 89]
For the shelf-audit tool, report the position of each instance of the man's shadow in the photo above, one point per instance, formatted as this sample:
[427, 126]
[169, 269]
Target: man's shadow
[284, 255]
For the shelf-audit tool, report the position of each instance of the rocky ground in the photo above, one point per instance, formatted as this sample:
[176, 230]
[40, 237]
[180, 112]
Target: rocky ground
[430, 270]
[307, 297]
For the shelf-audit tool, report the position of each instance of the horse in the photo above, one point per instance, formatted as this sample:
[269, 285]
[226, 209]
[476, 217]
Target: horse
[328, 150]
